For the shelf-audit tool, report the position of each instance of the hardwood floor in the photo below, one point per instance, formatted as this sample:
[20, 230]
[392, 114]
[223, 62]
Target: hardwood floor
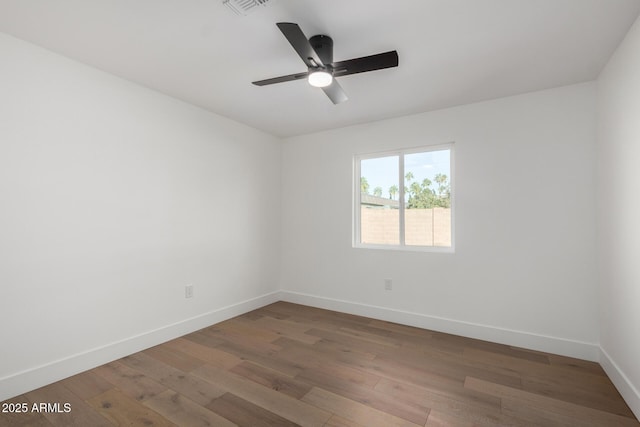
[287, 365]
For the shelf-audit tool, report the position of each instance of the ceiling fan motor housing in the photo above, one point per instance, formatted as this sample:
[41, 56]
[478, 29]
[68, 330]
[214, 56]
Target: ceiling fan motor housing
[323, 45]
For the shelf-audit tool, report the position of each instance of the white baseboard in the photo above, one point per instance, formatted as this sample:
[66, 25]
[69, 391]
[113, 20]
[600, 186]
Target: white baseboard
[564, 347]
[30, 379]
[629, 392]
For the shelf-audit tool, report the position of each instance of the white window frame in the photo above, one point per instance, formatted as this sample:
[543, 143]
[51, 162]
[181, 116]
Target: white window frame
[357, 159]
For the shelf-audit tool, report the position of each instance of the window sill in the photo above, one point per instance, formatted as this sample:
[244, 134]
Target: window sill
[407, 248]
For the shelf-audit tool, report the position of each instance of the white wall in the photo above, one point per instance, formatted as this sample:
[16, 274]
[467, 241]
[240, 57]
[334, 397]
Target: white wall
[113, 198]
[523, 272]
[619, 216]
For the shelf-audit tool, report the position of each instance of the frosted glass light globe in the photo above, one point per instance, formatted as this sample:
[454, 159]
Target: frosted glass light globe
[320, 79]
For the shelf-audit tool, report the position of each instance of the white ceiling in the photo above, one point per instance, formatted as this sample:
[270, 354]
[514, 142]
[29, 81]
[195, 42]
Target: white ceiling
[451, 52]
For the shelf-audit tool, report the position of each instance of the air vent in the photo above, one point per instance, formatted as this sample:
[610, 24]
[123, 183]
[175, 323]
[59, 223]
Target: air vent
[244, 7]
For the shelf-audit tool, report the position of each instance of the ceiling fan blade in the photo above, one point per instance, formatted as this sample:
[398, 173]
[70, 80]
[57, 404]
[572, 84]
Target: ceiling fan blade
[299, 41]
[281, 79]
[365, 63]
[335, 92]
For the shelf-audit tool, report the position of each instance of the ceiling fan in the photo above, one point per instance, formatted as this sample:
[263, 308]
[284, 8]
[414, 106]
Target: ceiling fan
[317, 54]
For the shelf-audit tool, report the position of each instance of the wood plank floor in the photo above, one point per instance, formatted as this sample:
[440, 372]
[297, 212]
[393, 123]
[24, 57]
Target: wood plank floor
[288, 365]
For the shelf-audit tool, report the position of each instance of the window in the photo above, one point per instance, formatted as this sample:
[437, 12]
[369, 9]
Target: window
[404, 199]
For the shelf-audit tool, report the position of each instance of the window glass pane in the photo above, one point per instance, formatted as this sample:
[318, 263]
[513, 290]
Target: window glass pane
[379, 215]
[427, 198]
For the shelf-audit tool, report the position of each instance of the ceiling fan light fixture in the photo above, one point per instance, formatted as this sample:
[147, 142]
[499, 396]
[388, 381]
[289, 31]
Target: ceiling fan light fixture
[320, 78]
[317, 55]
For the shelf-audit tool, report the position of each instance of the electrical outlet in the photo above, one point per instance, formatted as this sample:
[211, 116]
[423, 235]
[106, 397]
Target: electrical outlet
[388, 284]
[188, 291]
